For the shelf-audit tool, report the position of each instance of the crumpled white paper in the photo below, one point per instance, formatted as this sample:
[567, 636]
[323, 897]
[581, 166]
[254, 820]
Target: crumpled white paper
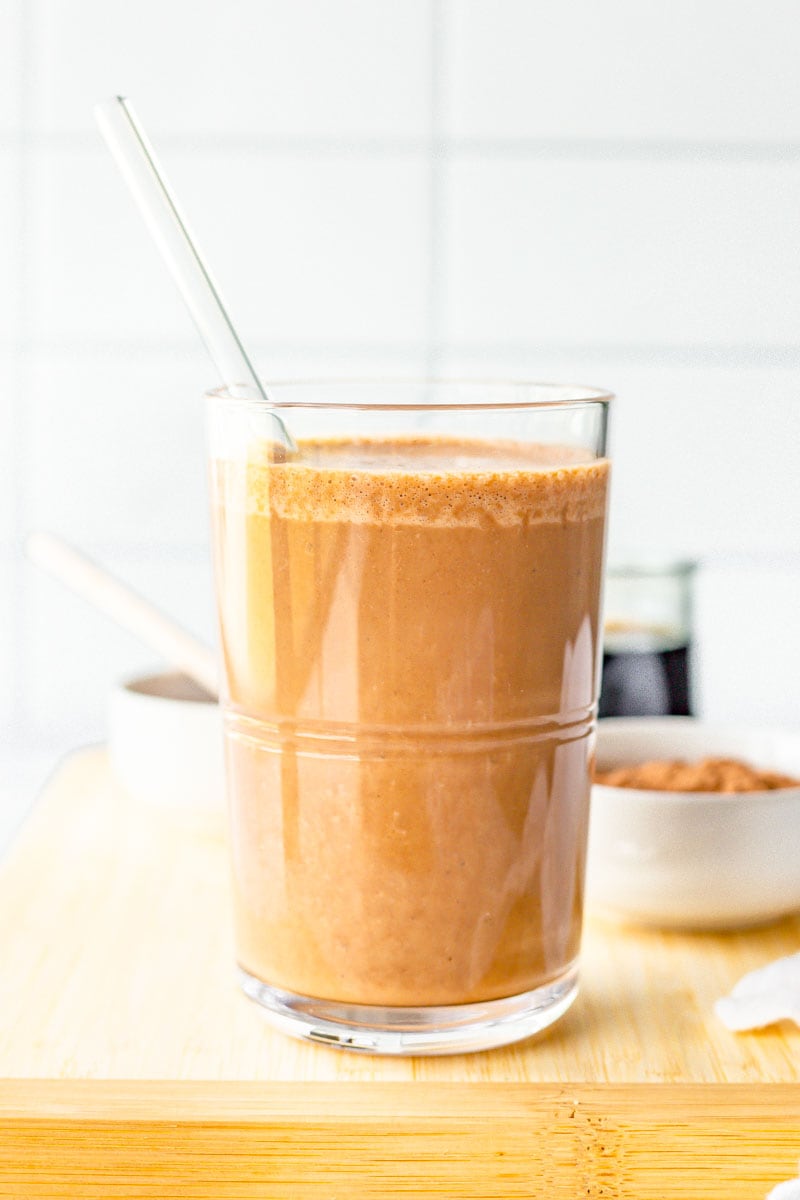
[790, 1190]
[760, 998]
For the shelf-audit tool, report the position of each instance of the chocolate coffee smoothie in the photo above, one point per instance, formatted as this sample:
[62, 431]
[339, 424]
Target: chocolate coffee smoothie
[410, 638]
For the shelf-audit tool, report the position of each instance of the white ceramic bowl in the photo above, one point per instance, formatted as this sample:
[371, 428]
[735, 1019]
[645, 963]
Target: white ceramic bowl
[165, 742]
[693, 860]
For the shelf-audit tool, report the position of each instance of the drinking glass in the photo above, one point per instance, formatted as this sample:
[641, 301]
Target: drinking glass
[409, 611]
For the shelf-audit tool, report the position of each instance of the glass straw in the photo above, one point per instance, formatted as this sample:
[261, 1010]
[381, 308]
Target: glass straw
[139, 167]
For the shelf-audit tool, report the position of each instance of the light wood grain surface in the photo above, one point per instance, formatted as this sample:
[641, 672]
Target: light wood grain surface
[121, 1025]
[310, 1141]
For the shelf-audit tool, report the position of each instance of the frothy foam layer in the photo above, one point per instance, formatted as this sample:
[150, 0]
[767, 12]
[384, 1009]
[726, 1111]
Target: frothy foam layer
[425, 481]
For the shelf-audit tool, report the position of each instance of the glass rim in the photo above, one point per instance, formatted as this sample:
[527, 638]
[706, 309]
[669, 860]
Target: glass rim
[585, 395]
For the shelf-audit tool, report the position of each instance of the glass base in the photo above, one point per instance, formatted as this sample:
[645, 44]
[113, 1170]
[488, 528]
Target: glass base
[452, 1029]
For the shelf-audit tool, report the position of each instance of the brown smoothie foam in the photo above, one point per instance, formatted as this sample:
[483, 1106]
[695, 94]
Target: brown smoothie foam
[410, 637]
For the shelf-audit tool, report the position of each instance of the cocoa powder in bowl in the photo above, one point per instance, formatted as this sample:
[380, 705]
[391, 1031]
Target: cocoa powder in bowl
[727, 775]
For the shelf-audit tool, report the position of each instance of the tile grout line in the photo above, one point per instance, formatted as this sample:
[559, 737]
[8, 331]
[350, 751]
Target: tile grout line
[436, 263]
[494, 149]
[757, 356]
[22, 360]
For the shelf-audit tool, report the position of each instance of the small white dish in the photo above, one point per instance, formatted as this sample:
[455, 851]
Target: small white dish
[165, 742]
[693, 860]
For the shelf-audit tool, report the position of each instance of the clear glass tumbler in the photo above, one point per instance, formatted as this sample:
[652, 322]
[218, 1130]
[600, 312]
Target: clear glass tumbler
[409, 607]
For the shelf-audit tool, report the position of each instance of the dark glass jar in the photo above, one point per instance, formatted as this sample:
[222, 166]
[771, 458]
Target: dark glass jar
[647, 640]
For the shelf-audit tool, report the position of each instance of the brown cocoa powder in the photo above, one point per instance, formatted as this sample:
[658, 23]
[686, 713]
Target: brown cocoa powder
[726, 775]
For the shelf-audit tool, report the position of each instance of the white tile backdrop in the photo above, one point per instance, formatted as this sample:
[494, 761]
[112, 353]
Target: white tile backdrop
[603, 190]
[646, 252]
[721, 70]
[10, 217]
[332, 69]
[10, 65]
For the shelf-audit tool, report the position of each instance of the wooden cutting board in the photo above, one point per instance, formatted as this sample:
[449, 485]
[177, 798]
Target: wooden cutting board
[132, 1066]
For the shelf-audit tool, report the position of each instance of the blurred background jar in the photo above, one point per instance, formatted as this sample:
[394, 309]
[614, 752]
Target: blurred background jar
[647, 639]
